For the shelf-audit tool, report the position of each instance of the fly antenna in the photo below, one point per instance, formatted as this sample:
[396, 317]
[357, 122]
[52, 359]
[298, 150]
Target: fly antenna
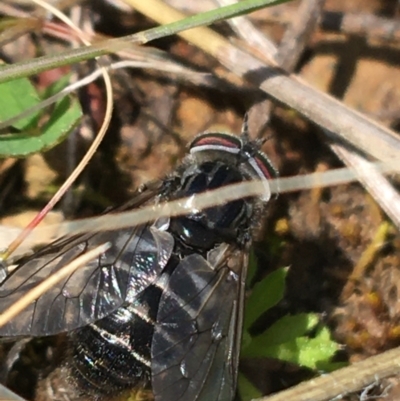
[245, 128]
[261, 141]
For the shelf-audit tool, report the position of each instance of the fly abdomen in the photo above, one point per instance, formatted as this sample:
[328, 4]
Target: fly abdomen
[106, 357]
[114, 353]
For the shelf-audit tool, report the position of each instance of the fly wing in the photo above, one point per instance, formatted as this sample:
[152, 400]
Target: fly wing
[196, 337]
[134, 261]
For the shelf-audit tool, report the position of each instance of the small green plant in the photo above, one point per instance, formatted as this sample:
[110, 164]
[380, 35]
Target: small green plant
[289, 339]
[27, 135]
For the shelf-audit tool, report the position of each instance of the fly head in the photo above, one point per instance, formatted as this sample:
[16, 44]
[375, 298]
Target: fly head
[217, 160]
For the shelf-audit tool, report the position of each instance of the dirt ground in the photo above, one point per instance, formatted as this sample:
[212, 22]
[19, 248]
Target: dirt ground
[343, 252]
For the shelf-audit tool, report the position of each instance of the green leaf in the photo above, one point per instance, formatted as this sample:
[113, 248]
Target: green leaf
[314, 351]
[64, 118]
[246, 390]
[17, 96]
[275, 244]
[56, 86]
[246, 341]
[304, 351]
[265, 294]
[284, 330]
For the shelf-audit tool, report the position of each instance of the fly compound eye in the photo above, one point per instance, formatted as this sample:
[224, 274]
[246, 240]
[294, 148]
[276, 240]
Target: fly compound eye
[265, 166]
[265, 171]
[247, 151]
[216, 141]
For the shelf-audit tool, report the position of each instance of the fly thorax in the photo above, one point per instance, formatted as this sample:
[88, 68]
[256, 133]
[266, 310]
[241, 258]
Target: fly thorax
[220, 223]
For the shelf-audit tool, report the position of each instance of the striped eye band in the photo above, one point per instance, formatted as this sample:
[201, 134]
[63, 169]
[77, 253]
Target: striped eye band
[261, 167]
[235, 145]
[216, 141]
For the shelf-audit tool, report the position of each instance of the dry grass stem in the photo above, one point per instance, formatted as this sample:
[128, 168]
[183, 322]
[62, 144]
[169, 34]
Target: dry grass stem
[201, 201]
[89, 154]
[295, 40]
[343, 381]
[298, 33]
[249, 33]
[377, 185]
[323, 109]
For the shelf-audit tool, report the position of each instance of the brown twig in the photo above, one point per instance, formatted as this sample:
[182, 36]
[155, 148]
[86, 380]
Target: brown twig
[297, 35]
[360, 24]
[343, 381]
[377, 185]
[363, 24]
[249, 33]
[321, 108]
